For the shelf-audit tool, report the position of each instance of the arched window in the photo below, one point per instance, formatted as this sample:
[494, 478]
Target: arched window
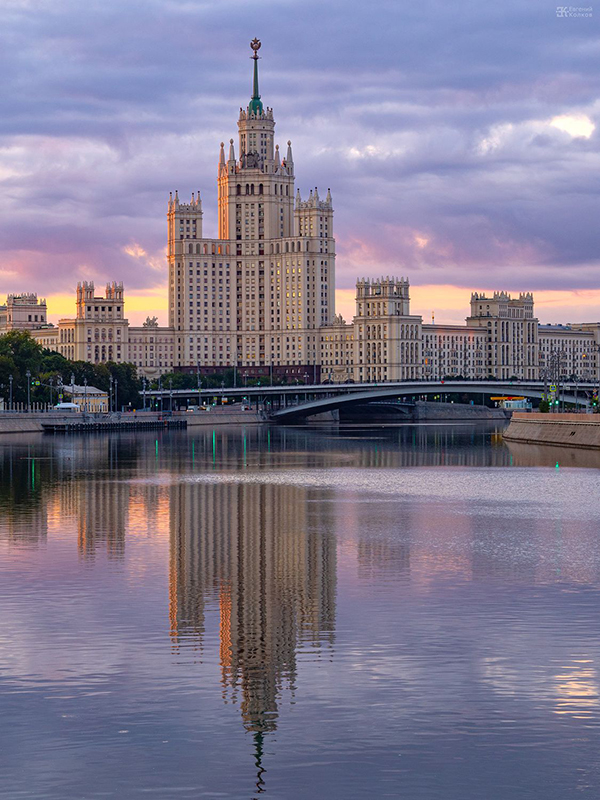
[197, 249]
[191, 248]
[252, 189]
[287, 247]
[260, 188]
[238, 189]
[247, 189]
[287, 191]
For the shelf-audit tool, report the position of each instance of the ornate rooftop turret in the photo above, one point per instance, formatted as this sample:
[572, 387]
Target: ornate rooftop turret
[194, 205]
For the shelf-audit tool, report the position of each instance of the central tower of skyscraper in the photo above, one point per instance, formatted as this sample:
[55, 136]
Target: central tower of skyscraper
[257, 295]
[260, 177]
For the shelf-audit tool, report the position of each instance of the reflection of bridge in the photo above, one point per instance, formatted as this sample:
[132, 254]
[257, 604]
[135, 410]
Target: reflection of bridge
[286, 403]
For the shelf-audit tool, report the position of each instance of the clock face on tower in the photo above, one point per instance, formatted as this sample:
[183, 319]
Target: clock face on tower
[253, 160]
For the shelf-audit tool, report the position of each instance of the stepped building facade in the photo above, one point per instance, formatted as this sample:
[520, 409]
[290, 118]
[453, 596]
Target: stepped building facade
[260, 297]
[256, 295]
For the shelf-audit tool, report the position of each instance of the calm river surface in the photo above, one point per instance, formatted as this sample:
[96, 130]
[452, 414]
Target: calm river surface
[405, 612]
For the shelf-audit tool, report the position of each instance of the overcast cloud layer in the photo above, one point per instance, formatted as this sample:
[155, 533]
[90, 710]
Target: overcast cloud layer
[460, 141]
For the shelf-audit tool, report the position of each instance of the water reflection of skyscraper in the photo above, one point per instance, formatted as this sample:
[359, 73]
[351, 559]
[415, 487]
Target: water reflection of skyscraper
[258, 552]
[102, 516]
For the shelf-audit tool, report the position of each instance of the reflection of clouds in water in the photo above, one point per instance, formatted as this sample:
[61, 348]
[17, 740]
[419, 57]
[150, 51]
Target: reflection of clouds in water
[501, 675]
[571, 689]
[577, 689]
[520, 493]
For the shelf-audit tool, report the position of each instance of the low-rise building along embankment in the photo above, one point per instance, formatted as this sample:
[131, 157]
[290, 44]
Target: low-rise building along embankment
[565, 430]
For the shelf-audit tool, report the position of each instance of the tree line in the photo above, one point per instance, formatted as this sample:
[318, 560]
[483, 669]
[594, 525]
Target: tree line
[25, 363]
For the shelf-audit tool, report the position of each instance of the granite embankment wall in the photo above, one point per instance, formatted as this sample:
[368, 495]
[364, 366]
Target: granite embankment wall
[20, 422]
[453, 411]
[221, 415]
[565, 430]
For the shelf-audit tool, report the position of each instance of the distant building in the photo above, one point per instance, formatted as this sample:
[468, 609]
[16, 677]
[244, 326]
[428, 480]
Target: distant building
[566, 350]
[88, 398]
[511, 334]
[450, 351]
[22, 312]
[100, 332]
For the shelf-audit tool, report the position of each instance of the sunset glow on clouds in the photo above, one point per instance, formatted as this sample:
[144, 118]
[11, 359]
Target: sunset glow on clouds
[461, 144]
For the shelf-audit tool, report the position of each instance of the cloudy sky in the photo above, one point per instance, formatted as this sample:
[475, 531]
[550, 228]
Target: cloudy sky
[460, 141]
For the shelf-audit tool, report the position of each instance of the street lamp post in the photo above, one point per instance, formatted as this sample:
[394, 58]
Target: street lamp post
[10, 383]
[171, 395]
[144, 391]
[116, 394]
[110, 403]
[85, 408]
[596, 370]
[28, 376]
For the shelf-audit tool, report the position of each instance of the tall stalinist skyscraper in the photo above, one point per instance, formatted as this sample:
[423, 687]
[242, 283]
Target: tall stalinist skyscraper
[257, 295]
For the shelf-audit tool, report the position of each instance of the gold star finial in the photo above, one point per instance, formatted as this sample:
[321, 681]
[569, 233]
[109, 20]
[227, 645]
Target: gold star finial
[255, 45]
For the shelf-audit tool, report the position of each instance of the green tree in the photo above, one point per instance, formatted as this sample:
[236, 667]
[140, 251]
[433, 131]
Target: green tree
[19, 352]
[129, 385]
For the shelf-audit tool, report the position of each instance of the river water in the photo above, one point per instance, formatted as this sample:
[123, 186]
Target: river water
[404, 612]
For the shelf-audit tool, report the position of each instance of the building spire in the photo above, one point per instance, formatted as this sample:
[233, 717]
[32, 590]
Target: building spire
[256, 106]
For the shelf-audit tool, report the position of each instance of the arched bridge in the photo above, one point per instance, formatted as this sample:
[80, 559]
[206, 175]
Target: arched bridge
[356, 394]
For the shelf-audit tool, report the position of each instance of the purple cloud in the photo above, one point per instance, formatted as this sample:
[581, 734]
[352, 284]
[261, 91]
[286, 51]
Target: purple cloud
[432, 124]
